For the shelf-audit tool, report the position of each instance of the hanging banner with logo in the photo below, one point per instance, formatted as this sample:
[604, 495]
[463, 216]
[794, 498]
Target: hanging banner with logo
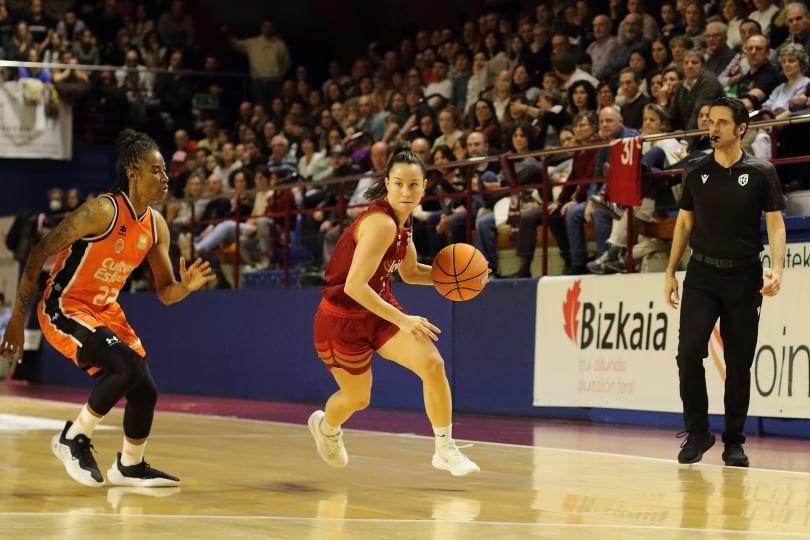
[27, 132]
[611, 342]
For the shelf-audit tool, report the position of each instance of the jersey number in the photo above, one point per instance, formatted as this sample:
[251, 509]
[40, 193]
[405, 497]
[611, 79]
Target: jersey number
[627, 151]
[106, 295]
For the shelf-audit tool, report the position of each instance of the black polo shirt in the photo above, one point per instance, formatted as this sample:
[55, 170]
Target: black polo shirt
[766, 79]
[728, 203]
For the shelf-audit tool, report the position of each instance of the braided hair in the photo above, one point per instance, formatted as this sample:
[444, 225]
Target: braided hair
[402, 154]
[132, 147]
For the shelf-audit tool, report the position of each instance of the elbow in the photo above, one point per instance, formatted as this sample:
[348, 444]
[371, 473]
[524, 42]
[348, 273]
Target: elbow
[353, 289]
[409, 277]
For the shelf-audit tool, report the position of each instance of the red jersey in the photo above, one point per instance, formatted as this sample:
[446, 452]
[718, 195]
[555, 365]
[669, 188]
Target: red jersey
[339, 264]
[624, 178]
[83, 286]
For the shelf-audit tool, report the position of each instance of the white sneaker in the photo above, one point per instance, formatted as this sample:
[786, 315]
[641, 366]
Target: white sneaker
[647, 245]
[449, 458]
[77, 456]
[330, 447]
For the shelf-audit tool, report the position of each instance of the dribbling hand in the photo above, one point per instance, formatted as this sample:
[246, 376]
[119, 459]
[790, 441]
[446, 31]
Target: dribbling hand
[421, 328]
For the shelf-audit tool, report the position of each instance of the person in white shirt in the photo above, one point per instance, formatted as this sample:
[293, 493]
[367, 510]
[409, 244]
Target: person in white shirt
[441, 85]
[764, 14]
[794, 61]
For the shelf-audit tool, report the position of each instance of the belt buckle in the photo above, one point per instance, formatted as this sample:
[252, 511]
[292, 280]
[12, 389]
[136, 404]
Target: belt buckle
[723, 263]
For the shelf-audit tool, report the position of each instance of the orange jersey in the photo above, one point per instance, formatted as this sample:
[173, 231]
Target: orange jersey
[83, 286]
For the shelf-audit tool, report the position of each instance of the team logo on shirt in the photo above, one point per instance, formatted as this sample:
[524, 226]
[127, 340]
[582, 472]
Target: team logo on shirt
[743, 179]
[143, 240]
[119, 245]
[704, 177]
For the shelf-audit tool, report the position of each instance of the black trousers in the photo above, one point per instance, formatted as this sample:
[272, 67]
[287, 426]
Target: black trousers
[733, 296]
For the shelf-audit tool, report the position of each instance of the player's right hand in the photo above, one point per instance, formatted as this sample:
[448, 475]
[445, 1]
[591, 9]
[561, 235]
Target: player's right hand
[11, 347]
[421, 328]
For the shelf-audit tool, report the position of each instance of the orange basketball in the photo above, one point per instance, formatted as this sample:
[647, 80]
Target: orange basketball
[460, 272]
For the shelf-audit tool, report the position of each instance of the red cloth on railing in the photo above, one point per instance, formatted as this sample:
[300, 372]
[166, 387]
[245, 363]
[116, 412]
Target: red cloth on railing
[624, 177]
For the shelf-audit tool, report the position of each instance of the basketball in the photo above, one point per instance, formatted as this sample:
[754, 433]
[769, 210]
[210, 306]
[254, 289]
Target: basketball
[460, 272]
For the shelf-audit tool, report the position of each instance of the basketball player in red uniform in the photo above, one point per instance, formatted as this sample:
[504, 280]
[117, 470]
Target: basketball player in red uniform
[97, 246]
[358, 315]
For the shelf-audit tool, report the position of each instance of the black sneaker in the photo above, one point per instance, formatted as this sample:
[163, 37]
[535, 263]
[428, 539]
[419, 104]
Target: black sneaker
[601, 265]
[734, 455]
[142, 475]
[695, 445]
[77, 456]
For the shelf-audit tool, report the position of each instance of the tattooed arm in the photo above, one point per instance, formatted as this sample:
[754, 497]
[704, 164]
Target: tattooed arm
[90, 219]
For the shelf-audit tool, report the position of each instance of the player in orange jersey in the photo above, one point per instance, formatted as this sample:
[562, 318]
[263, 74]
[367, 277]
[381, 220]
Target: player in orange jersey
[359, 314]
[97, 246]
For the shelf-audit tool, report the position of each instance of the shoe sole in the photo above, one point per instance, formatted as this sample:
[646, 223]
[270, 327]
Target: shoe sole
[314, 430]
[699, 456]
[736, 463]
[56, 448]
[439, 463]
[117, 479]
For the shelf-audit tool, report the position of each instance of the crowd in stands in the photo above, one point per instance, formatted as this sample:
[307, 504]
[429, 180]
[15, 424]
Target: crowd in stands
[559, 75]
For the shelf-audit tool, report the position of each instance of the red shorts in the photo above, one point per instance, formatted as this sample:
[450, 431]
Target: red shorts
[346, 340]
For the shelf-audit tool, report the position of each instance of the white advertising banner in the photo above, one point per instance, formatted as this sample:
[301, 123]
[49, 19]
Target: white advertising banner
[611, 342]
[25, 130]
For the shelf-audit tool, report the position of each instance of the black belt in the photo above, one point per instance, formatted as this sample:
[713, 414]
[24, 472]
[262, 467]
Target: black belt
[725, 263]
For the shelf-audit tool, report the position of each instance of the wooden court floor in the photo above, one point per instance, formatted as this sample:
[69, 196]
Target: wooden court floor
[247, 478]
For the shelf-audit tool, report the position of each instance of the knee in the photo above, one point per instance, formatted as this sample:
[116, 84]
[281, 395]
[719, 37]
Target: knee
[433, 369]
[135, 369]
[575, 215]
[145, 394]
[360, 400]
[690, 358]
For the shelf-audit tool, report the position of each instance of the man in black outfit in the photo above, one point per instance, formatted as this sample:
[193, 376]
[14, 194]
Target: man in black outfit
[724, 197]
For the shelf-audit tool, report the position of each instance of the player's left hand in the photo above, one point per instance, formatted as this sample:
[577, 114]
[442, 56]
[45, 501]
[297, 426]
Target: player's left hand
[196, 275]
[773, 282]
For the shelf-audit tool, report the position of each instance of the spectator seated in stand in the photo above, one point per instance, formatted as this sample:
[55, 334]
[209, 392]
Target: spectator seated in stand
[281, 161]
[220, 230]
[70, 83]
[440, 221]
[523, 171]
[532, 217]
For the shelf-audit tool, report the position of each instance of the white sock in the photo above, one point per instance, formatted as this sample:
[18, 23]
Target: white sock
[329, 430]
[443, 434]
[84, 424]
[132, 454]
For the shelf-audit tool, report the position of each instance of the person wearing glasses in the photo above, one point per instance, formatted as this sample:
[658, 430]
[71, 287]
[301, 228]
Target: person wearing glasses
[762, 76]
